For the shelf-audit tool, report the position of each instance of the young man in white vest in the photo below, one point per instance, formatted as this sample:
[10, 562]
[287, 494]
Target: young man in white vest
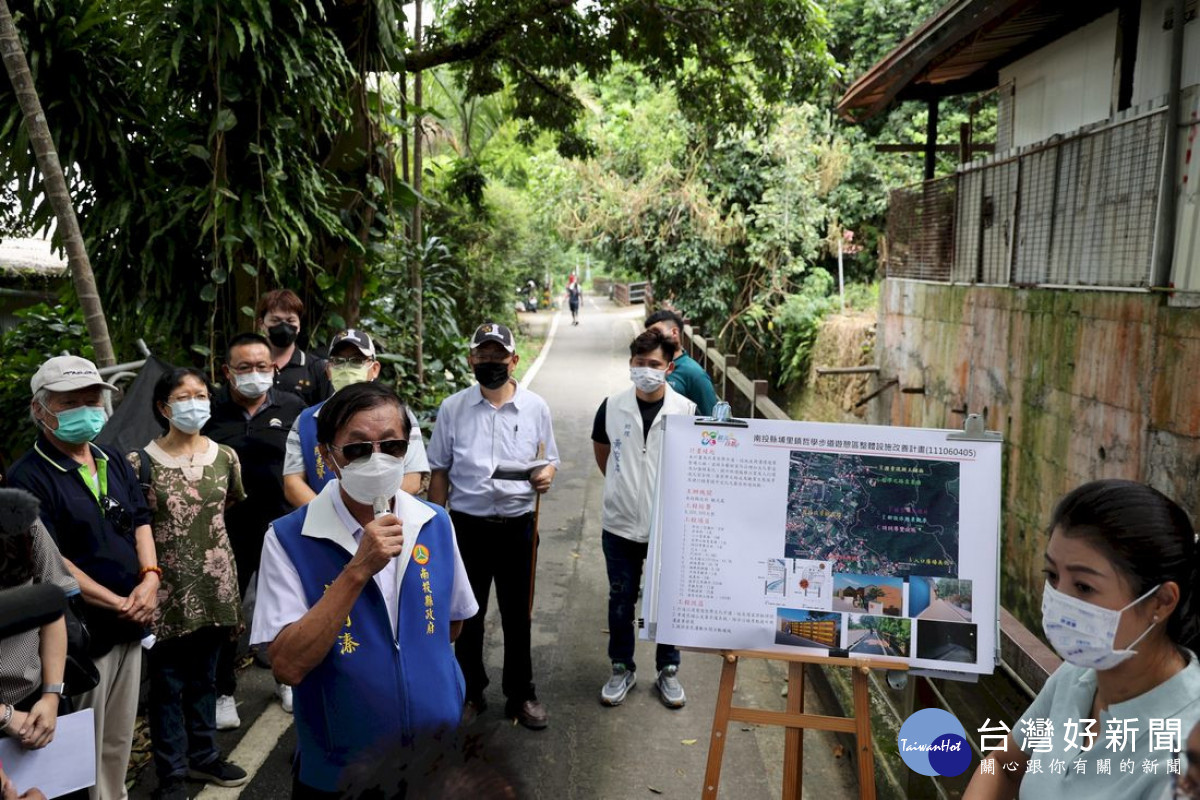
[626, 438]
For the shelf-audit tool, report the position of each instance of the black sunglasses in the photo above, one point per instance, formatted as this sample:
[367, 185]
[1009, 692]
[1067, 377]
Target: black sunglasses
[396, 448]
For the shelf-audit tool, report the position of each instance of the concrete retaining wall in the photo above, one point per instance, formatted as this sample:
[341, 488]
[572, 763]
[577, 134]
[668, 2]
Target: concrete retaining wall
[1083, 385]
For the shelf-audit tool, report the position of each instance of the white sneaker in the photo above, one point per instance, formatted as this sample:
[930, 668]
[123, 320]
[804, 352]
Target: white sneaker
[284, 693]
[227, 716]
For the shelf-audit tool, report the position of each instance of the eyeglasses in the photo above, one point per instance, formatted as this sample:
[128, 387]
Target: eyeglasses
[396, 448]
[117, 515]
[348, 361]
[243, 369]
[183, 398]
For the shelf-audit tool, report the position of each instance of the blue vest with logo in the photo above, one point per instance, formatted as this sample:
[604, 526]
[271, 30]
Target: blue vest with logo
[376, 688]
[316, 472]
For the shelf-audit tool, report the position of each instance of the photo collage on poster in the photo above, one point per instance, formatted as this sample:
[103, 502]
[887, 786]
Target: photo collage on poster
[870, 560]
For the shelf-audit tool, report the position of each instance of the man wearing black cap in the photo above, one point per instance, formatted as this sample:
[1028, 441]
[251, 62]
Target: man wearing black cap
[478, 429]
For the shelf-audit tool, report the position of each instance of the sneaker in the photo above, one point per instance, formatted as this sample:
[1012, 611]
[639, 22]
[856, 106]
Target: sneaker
[227, 716]
[669, 689]
[173, 788]
[284, 693]
[622, 680]
[220, 772]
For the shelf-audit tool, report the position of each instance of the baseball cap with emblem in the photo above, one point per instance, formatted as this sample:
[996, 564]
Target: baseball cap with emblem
[66, 374]
[361, 341]
[493, 332]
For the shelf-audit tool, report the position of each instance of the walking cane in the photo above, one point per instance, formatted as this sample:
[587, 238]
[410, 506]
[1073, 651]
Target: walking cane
[537, 513]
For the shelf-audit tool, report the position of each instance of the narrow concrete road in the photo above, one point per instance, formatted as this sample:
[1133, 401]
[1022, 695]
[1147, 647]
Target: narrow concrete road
[640, 749]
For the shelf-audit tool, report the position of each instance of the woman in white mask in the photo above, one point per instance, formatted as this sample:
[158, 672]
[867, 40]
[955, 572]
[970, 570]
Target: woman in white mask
[189, 480]
[1118, 607]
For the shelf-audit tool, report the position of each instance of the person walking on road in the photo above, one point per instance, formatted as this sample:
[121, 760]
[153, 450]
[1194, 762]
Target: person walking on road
[688, 377]
[626, 440]
[360, 594]
[574, 295]
[477, 430]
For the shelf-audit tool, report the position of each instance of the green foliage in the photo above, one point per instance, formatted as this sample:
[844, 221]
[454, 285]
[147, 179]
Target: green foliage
[798, 320]
[45, 331]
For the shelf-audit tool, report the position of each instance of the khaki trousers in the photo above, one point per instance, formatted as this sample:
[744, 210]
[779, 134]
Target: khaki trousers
[114, 702]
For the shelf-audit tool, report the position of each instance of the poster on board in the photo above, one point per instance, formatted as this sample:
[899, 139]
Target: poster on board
[814, 537]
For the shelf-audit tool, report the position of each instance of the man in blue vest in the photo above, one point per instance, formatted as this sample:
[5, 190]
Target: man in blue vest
[352, 359]
[360, 594]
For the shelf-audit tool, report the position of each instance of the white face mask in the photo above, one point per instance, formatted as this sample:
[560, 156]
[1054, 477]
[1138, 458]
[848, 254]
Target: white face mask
[647, 379]
[189, 416]
[369, 478]
[254, 385]
[1082, 633]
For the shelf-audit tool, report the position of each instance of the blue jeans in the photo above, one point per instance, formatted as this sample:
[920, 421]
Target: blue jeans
[625, 560]
[183, 700]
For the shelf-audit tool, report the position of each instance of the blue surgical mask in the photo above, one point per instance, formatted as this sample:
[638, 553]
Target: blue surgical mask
[79, 425]
[189, 416]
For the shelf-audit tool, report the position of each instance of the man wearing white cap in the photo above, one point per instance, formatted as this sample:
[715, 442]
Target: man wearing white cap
[478, 429]
[94, 508]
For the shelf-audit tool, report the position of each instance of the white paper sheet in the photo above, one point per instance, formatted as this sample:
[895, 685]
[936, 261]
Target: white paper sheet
[66, 764]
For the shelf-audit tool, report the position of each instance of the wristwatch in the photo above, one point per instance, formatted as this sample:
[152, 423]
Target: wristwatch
[55, 688]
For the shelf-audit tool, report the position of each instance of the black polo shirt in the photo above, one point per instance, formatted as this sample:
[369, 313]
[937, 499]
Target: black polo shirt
[99, 543]
[304, 375]
[260, 442]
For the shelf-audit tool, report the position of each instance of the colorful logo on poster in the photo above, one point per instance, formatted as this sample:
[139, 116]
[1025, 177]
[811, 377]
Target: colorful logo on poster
[934, 742]
[714, 438]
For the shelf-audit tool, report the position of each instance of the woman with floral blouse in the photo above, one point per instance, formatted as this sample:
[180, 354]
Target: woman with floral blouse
[191, 481]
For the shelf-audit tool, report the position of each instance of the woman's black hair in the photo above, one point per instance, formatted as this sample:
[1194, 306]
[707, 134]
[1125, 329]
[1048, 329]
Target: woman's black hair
[169, 382]
[1146, 536]
[353, 399]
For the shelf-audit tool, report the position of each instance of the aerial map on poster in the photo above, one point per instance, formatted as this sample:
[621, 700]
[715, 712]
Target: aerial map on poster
[844, 539]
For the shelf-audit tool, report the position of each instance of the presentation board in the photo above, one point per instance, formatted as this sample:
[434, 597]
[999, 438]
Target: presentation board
[823, 538]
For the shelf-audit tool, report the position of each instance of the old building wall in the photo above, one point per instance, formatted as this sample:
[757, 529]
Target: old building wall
[1083, 385]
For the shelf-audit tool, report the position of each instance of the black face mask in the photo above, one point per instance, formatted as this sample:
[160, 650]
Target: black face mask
[282, 335]
[491, 375]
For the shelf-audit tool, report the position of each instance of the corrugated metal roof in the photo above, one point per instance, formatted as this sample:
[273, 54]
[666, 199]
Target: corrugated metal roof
[18, 255]
[963, 47]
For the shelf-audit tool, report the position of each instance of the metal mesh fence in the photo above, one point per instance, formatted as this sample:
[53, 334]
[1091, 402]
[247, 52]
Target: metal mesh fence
[1075, 211]
[920, 229]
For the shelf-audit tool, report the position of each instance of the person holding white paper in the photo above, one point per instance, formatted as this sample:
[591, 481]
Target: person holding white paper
[626, 440]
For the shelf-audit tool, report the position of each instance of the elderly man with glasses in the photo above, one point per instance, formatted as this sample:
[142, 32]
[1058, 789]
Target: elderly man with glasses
[94, 509]
[352, 359]
[360, 594]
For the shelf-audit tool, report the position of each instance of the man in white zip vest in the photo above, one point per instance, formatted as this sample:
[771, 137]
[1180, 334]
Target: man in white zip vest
[627, 439]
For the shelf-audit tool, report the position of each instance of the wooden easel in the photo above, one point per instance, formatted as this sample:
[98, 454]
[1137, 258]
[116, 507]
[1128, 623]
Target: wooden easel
[795, 720]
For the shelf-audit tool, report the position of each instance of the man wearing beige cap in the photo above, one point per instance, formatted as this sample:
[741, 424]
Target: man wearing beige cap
[92, 505]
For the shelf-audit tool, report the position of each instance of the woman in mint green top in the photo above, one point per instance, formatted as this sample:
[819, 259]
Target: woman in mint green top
[1118, 607]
